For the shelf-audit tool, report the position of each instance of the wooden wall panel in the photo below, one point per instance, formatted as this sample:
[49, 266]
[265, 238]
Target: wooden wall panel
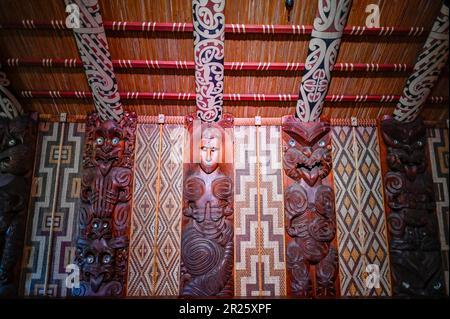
[52, 223]
[361, 234]
[438, 149]
[154, 264]
[259, 221]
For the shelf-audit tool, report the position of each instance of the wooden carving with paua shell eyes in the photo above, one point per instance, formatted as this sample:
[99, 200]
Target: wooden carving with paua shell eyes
[104, 217]
[309, 209]
[413, 232]
[207, 232]
[17, 148]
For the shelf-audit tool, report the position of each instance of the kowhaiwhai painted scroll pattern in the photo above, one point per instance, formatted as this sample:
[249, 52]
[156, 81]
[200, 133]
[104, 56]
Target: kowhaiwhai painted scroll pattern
[146, 239]
[260, 261]
[361, 233]
[209, 35]
[94, 53]
[52, 224]
[429, 63]
[438, 147]
[322, 54]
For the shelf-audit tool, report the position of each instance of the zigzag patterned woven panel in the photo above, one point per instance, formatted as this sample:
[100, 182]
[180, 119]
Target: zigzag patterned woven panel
[360, 216]
[49, 246]
[438, 146]
[259, 228]
[154, 262]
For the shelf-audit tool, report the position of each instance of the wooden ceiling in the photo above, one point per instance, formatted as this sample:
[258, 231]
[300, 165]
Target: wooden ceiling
[20, 43]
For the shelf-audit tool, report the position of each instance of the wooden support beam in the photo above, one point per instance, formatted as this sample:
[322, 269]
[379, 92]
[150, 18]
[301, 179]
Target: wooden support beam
[94, 53]
[322, 55]
[209, 35]
[430, 62]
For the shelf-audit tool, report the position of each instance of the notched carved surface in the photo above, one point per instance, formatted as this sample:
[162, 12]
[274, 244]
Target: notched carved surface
[207, 238]
[102, 246]
[414, 244]
[17, 148]
[309, 208]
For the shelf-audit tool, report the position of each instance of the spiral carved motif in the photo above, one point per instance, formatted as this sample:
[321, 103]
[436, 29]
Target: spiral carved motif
[200, 255]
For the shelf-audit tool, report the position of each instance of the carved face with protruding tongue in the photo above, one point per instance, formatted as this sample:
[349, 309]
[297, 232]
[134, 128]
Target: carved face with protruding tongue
[109, 146]
[307, 152]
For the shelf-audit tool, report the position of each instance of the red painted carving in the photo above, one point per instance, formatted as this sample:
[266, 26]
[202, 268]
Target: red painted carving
[414, 242]
[207, 236]
[309, 209]
[102, 246]
[17, 148]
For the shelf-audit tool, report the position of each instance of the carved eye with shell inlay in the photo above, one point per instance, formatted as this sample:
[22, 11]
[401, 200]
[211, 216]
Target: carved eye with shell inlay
[106, 259]
[12, 142]
[90, 259]
[100, 140]
[115, 141]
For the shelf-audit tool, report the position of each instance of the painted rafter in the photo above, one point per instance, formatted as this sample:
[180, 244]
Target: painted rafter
[209, 35]
[179, 27]
[429, 64]
[94, 53]
[323, 49]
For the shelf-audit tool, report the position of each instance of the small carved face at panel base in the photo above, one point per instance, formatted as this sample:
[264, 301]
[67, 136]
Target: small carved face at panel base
[406, 146]
[211, 149]
[109, 146]
[96, 259]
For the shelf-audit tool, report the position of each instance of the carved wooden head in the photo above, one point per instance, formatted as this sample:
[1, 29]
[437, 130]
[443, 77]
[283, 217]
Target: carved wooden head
[109, 143]
[17, 138]
[307, 151]
[211, 146]
[97, 260]
[406, 146]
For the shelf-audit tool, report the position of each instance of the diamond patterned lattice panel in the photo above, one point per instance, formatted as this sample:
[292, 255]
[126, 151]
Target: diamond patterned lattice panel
[361, 233]
[438, 147]
[155, 234]
[49, 245]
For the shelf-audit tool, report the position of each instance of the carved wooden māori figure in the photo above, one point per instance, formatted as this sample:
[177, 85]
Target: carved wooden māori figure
[207, 236]
[102, 245]
[17, 148]
[414, 243]
[309, 209]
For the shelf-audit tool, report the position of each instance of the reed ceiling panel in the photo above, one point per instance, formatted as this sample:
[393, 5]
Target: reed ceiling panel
[238, 48]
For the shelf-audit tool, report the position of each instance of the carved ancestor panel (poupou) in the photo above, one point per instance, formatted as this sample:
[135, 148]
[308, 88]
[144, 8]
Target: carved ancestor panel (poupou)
[414, 239]
[438, 144]
[208, 206]
[104, 217]
[17, 148]
[310, 221]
